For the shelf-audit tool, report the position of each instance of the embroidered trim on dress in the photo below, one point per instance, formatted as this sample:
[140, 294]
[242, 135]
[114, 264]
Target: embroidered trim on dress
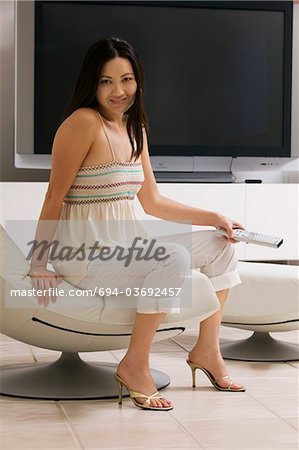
[98, 200]
[104, 186]
[108, 164]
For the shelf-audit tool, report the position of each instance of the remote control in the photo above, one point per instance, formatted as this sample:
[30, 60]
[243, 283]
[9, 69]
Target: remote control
[251, 237]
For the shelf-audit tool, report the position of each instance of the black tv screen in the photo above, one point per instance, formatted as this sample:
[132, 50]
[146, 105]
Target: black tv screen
[217, 74]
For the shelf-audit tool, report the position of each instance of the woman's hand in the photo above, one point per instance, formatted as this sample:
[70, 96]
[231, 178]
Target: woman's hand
[43, 279]
[227, 224]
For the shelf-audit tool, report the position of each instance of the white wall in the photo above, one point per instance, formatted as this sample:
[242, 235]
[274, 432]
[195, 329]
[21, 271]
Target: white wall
[7, 170]
[265, 208]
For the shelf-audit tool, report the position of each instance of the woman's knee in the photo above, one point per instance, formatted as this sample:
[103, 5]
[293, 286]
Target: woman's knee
[221, 248]
[227, 257]
[177, 257]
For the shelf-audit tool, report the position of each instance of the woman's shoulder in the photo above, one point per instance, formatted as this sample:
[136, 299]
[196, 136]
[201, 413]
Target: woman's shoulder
[82, 122]
[85, 116]
[85, 119]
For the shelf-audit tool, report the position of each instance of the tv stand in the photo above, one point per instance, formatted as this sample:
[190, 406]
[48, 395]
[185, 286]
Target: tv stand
[205, 169]
[194, 177]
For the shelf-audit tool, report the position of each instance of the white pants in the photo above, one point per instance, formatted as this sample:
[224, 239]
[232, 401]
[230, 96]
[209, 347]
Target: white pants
[214, 256]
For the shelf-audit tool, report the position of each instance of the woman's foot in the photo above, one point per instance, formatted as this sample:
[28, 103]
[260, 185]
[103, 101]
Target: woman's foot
[138, 378]
[213, 362]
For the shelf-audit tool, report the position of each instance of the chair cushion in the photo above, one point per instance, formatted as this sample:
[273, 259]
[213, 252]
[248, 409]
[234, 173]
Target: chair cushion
[268, 294]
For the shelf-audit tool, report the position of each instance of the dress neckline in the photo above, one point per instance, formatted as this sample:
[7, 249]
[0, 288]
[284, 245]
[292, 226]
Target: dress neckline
[114, 161]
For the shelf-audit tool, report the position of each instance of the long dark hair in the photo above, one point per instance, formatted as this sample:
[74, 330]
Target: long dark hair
[85, 91]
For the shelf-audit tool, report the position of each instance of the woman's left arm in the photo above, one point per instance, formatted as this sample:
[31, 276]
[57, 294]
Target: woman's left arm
[165, 208]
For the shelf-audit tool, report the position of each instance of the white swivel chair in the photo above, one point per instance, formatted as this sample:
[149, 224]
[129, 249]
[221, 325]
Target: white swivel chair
[267, 301]
[73, 325]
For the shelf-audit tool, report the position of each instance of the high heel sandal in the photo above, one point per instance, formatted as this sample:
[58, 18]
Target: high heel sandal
[214, 381]
[135, 394]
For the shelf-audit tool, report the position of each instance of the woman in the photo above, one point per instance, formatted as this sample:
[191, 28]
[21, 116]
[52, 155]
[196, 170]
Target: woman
[100, 161]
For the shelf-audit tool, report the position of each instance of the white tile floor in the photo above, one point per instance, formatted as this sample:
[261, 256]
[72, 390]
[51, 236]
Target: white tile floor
[264, 417]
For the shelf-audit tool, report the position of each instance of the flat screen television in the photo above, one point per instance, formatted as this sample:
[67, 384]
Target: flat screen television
[218, 74]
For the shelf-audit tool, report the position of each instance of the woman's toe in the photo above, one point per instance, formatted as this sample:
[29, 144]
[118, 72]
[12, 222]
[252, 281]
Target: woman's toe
[165, 403]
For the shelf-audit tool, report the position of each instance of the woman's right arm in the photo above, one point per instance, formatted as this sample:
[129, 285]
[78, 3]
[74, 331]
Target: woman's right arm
[71, 144]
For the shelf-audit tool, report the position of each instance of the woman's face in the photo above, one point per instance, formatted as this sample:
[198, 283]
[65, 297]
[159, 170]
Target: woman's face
[117, 86]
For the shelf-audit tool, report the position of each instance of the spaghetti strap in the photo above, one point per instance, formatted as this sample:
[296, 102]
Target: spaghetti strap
[107, 137]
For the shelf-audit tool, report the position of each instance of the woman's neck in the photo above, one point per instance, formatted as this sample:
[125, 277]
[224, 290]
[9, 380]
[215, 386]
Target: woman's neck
[117, 120]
